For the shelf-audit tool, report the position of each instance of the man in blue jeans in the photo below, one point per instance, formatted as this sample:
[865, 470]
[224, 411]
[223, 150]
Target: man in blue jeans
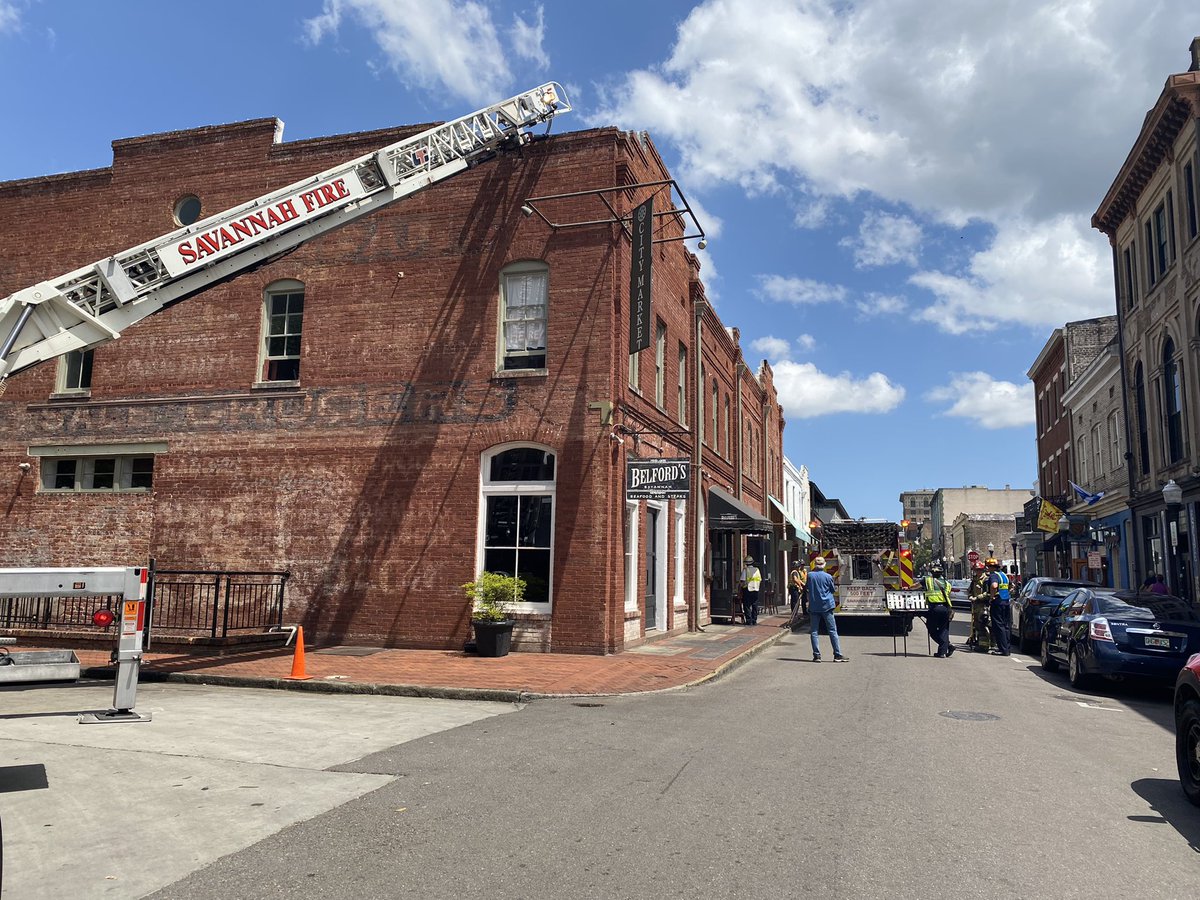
[821, 603]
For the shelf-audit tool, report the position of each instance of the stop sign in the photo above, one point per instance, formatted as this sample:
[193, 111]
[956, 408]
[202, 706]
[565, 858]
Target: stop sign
[973, 557]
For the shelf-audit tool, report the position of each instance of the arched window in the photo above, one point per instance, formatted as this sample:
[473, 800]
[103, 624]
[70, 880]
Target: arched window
[516, 534]
[1172, 402]
[1139, 381]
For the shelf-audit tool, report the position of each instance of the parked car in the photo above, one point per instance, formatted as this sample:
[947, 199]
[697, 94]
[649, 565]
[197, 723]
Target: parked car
[1117, 634]
[1187, 728]
[959, 588]
[1033, 603]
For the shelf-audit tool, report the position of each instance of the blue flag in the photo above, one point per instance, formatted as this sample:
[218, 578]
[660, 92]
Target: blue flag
[1083, 495]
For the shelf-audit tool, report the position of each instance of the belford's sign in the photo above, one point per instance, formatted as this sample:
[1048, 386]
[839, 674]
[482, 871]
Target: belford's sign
[657, 479]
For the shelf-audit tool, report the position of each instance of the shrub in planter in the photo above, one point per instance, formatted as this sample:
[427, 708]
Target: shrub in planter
[492, 595]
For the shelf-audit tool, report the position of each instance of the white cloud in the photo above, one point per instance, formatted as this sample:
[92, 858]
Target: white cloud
[10, 18]
[799, 291]
[528, 38]
[805, 392]
[772, 347]
[884, 240]
[806, 342]
[881, 305]
[448, 45]
[982, 399]
[1034, 274]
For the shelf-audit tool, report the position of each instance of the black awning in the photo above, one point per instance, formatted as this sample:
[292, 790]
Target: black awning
[727, 513]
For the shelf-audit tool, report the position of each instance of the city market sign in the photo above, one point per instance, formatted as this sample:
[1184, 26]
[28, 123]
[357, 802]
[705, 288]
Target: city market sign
[657, 479]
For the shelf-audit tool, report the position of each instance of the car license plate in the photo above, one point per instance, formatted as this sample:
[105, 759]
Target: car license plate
[1152, 641]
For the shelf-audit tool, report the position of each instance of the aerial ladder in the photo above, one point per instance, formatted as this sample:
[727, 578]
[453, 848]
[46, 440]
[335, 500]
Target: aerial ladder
[94, 304]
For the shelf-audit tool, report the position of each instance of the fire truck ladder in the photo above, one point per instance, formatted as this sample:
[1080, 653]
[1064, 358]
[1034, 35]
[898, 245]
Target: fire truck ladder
[94, 304]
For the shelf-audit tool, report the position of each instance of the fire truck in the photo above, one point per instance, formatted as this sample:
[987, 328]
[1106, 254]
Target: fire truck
[867, 558]
[94, 304]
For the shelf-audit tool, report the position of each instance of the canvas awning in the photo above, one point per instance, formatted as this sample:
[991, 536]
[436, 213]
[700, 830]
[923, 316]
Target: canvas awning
[799, 532]
[727, 513]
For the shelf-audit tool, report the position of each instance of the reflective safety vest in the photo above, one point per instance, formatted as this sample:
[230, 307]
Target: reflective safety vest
[1002, 592]
[936, 590]
[751, 577]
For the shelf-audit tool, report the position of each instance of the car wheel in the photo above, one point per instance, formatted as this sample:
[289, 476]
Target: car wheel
[1187, 749]
[1049, 663]
[1075, 672]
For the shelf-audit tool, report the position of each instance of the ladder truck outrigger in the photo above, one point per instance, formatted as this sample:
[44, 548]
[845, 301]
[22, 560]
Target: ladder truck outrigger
[94, 304]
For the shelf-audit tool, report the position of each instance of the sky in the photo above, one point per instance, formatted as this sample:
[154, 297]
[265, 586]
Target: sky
[897, 193]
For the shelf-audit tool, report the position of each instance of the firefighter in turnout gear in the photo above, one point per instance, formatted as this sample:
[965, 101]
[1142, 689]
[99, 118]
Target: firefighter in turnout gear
[937, 620]
[980, 640]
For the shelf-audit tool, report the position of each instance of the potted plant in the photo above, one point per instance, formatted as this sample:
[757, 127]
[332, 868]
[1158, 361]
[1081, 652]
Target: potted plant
[492, 595]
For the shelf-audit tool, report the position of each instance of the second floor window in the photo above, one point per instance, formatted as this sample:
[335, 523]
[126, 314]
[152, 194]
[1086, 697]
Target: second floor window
[524, 295]
[1114, 440]
[1129, 273]
[75, 372]
[682, 384]
[660, 365]
[1142, 425]
[284, 320]
[1172, 403]
[1192, 211]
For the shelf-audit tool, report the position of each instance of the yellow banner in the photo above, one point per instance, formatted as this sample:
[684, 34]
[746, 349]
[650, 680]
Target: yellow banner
[1048, 517]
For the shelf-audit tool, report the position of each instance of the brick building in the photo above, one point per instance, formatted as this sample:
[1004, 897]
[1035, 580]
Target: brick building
[436, 389]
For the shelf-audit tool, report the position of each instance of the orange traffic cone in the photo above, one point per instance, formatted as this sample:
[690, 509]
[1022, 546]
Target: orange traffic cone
[298, 673]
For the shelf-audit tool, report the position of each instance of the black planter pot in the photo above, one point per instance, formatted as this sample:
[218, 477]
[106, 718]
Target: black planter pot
[493, 638]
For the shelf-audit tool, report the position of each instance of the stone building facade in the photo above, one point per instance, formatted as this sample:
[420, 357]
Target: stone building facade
[1151, 216]
[436, 389]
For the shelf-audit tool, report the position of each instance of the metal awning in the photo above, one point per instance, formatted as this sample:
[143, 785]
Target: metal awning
[727, 513]
[801, 533]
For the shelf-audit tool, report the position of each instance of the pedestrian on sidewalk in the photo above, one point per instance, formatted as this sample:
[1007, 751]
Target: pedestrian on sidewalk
[750, 580]
[937, 620]
[821, 604]
[796, 588]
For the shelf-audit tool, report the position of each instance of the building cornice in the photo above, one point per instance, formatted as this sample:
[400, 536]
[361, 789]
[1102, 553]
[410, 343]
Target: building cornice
[1179, 101]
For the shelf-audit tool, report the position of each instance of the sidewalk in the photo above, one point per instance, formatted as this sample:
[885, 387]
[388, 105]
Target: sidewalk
[672, 662]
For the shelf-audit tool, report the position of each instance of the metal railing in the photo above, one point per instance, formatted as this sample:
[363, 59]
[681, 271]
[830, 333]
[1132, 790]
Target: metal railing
[203, 602]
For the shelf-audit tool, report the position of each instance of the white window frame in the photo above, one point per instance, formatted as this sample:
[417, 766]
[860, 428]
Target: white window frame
[660, 364]
[523, 269]
[487, 489]
[633, 514]
[1097, 451]
[265, 357]
[86, 456]
[1114, 438]
[679, 511]
[63, 379]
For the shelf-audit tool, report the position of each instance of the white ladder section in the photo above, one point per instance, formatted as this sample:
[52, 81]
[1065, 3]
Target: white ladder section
[95, 303]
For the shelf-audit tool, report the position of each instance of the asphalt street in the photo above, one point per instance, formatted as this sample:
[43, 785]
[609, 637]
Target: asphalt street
[888, 776]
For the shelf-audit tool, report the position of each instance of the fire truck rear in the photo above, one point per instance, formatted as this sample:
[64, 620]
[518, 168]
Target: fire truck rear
[867, 558]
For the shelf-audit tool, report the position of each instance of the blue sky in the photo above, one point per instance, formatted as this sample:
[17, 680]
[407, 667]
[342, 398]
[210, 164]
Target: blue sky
[898, 193]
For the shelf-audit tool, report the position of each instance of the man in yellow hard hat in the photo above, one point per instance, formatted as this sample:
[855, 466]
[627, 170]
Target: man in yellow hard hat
[1000, 608]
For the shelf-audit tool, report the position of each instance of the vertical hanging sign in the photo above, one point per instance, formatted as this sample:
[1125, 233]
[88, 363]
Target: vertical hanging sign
[639, 276]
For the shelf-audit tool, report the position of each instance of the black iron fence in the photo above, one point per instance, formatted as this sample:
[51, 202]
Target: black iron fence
[212, 603]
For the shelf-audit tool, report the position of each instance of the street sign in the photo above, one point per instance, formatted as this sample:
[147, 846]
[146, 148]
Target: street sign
[973, 557]
[1094, 559]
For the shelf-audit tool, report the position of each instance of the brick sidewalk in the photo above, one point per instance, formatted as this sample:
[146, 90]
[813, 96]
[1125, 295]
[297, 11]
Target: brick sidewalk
[668, 663]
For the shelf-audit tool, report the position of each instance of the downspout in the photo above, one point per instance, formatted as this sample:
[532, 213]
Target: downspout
[1135, 558]
[697, 488]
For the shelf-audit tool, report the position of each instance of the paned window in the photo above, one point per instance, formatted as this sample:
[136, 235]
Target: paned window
[1172, 403]
[1114, 440]
[75, 372]
[682, 384]
[98, 473]
[660, 364]
[1129, 257]
[518, 519]
[1097, 452]
[282, 326]
[1192, 212]
[524, 295]
[1142, 421]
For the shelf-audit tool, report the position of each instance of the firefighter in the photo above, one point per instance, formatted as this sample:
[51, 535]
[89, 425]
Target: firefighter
[979, 641]
[937, 620]
[1000, 608]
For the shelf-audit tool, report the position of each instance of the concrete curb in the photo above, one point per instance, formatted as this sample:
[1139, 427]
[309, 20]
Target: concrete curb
[495, 695]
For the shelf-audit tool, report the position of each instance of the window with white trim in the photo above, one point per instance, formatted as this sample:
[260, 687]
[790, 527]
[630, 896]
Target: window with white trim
[99, 474]
[1114, 439]
[517, 527]
[524, 297]
[632, 514]
[1097, 452]
[660, 364]
[75, 372]
[283, 322]
[680, 511]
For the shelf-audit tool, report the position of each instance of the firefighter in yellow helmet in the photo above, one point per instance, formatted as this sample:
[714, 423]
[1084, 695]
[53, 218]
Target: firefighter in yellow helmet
[1000, 608]
[979, 641]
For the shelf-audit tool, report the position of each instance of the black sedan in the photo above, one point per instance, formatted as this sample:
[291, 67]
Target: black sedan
[1033, 604]
[1118, 634]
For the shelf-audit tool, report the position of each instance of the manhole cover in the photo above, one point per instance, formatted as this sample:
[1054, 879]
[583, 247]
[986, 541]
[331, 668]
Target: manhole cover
[969, 715]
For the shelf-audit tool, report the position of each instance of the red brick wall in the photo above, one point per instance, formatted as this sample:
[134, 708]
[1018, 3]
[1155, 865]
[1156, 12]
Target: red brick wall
[364, 481]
